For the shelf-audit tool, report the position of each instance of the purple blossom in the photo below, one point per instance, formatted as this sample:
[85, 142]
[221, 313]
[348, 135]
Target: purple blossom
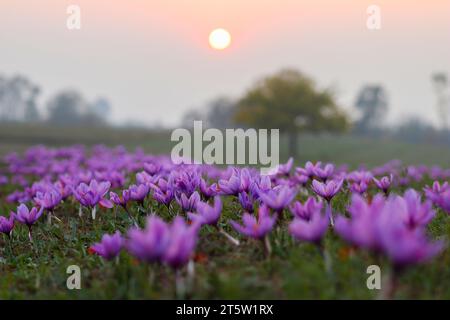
[207, 191]
[207, 214]
[307, 210]
[328, 189]
[325, 173]
[48, 199]
[232, 186]
[6, 225]
[149, 244]
[384, 183]
[28, 217]
[93, 194]
[109, 247]
[246, 202]
[188, 204]
[278, 198]
[254, 227]
[311, 230]
[139, 193]
[359, 187]
[182, 242]
[120, 200]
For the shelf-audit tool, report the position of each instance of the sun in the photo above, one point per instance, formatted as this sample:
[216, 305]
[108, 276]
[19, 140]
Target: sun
[219, 39]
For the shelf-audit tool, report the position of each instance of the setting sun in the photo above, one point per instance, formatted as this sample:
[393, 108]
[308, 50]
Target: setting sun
[219, 39]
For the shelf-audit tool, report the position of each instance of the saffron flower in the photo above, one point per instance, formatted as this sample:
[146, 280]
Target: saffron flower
[328, 189]
[48, 200]
[306, 211]
[7, 224]
[91, 195]
[120, 200]
[325, 173]
[207, 214]
[182, 242]
[253, 227]
[109, 247]
[139, 193]
[359, 187]
[232, 186]
[149, 245]
[188, 204]
[413, 212]
[246, 202]
[278, 198]
[384, 183]
[311, 230]
[257, 228]
[28, 217]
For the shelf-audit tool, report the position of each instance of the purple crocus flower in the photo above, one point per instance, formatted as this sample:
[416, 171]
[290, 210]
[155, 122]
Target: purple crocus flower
[311, 230]
[384, 183]
[232, 186]
[325, 173]
[306, 211]
[278, 198]
[93, 194]
[360, 176]
[358, 187]
[7, 225]
[410, 208]
[246, 202]
[362, 230]
[182, 242]
[28, 217]
[149, 244]
[207, 214]
[328, 189]
[120, 200]
[138, 193]
[188, 204]
[405, 246]
[207, 191]
[48, 199]
[436, 190]
[109, 247]
[284, 169]
[310, 168]
[254, 227]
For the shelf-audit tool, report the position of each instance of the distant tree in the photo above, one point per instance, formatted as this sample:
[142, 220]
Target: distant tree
[441, 87]
[220, 113]
[372, 102]
[291, 102]
[415, 130]
[18, 99]
[101, 108]
[70, 108]
[190, 116]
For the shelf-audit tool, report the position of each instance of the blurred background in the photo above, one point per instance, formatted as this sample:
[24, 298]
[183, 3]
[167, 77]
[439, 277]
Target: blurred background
[337, 90]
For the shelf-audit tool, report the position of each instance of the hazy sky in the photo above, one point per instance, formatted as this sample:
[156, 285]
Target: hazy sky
[152, 60]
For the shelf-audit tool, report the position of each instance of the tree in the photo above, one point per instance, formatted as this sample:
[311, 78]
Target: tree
[220, 113]
[291, 102]
[18, 99]
[440, 84]
[372, 101]
[70, 108]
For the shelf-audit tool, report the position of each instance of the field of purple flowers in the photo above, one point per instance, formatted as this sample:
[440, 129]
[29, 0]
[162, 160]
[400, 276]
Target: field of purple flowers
[140, 227]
